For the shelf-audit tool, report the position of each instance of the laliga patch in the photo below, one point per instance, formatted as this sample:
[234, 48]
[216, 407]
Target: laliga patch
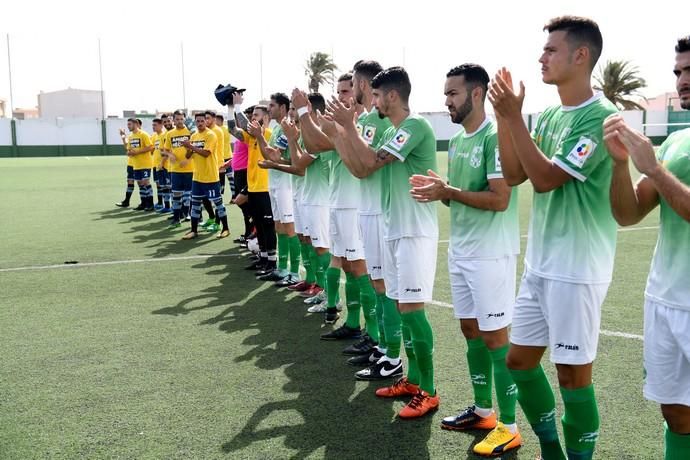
[582, 150]
[368, 134]
[282, 142]
[400, 139]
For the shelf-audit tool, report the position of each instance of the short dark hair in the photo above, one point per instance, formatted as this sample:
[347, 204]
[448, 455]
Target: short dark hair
[210, 113]
[133, 120]
[683, 44]
[220, 117]
[367, 69]
[475, 75]
[164, 115]
[579, 32]
[138, 121]
[157, 120]
[249, 110]
[178, 112]
[393, 78]
[261, 107]
[200, 114]
[347, 76]
[317, 102]
[281, 99]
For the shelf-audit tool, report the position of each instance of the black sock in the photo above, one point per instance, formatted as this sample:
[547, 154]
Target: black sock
[224, 221]
[209, 208]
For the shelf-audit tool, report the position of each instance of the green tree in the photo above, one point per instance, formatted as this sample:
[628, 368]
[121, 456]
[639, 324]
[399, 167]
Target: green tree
[319, 70]
[619, 81]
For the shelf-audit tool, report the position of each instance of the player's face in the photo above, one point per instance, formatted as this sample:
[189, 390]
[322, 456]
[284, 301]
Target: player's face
[210, 121]
[292, 113]
[458, 99]
[380, 103]
[358, 88]
[157, 127]
[179, 121]
[200, 123]
[345, 92]
[130, 125]
[258, 116]
[167, 122]
[682, 71]
[557, 59]
[219, 122]
[274, 110]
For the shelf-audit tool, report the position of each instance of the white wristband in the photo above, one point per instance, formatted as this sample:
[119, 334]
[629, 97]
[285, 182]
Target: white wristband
[238, 108]
[302, 111]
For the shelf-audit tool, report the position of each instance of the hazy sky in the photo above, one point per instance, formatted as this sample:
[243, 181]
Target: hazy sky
[55, 44]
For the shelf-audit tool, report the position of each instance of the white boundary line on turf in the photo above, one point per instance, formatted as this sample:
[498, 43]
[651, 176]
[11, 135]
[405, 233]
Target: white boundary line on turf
[621, 230]
[114, 262]
[605, 332]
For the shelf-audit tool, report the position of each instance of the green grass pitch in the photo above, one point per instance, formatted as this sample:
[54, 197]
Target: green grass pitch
[179, 353]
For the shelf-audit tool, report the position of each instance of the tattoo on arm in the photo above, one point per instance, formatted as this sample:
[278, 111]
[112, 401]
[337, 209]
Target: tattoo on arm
[242, 120]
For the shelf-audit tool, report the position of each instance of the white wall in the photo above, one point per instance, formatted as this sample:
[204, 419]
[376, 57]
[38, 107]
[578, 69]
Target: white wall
[113, 125]
[658, 118]
[59, 131]
[5, 131]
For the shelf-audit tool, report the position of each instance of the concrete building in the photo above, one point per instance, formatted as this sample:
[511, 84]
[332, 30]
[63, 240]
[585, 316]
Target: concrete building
[71, 103]
[662, 102]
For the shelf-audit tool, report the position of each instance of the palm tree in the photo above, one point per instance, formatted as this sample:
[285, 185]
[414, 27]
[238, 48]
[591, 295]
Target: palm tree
[619, 80]
[319, 70]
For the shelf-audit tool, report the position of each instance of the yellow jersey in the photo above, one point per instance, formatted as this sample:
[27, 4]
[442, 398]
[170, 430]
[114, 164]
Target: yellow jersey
[129, 159]
[157, 139]
[136, 141]
[173, 143]
[227, 144]
[257, 178]
[205, 168]
[219, 145]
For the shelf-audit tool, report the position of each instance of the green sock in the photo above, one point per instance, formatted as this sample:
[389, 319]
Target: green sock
[367, 298]
[322, 263]
[580, 422]
[506, 390]
[352, 300]
[283, 251]
[332, 286]
[423, 343]
[412, 369]
[306, 248]
[392, 327]
[295, 251]
[539, 405]
[677, 446]
[380, 298]
[479, 363]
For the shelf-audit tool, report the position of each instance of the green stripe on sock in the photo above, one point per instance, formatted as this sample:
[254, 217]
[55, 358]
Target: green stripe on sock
[479, 363]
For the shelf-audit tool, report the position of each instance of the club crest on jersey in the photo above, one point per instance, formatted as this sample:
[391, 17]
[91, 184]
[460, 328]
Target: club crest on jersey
[368, 134]
[476, 157]
[400, 139]
[177, 141]
[582, 150]
[134, 143]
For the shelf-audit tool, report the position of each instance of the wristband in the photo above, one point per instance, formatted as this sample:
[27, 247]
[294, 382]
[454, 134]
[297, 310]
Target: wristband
[238, 108]
[301, 111]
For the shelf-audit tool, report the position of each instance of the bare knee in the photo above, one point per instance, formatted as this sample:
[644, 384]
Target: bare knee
[470, 328]
[573, 376]
[677, 417]
[524, 358]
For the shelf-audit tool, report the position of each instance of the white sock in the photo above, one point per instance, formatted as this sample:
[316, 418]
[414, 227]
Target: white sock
[480, 411]
[393, 361]
[512, 427]
[381, 349]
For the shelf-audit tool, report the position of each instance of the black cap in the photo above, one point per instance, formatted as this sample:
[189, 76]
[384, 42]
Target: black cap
[224, 93]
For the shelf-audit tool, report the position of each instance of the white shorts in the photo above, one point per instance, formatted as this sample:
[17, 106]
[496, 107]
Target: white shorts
[346, 240]
[371, 228]
[483, 289]
[666, 354]
[560, 315]
[409, 269]
[316, 219]
[297, 215]
[281, 205]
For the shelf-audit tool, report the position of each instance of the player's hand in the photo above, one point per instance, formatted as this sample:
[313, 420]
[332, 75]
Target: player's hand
[612, 139]
[186, 144]
[122, 132]
[130, 153]
[328, 126]
[342, 114]
[299, 99]
[237, 98]
[255, 129]
[184, 163]
[639, 148]
[266, 164]
[240, 199]
[290, 129]
[506, 103]
[434, 189]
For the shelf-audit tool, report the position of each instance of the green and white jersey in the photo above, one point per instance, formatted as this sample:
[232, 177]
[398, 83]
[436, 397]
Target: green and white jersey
[316, 191]
[572, 233]
[371, 127]
[669, 277]
[278, 179]
[476, 233]
[298, 181]
[413, 143]
[345, 192]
